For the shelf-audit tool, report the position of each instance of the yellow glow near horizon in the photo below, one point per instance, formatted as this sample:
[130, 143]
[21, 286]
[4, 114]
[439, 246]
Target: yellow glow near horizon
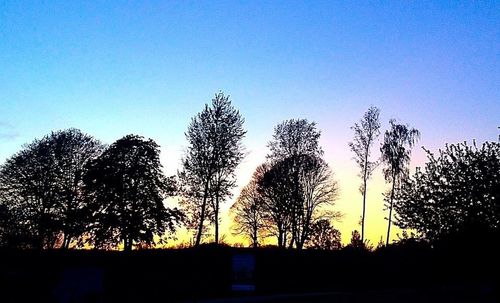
[349, 201]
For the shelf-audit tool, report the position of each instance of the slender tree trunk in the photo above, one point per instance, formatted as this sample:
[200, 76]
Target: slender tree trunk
[217, 218]
[365, 172]
[292, 240]
[202, 217]
[285, 234]
[254, 236]
[200, 225]
[63, 246]
[280, 238]
[390, 212]
[364, 211]
[125, 244]
[66, 241]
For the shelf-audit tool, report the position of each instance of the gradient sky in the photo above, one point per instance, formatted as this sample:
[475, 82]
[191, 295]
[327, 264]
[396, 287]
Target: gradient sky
[147, 67]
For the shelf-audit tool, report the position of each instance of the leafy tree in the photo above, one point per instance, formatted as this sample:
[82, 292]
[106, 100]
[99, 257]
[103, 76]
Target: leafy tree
[208, 173]
[294, 137]
[248, 210]
[319, 191]
[73, 150]
[324, 236]
[42, 189]
[365, 134]
[396, 151]
[458, 190]
[356, 242]
[276, 188]
[298, 186]
[127, 191]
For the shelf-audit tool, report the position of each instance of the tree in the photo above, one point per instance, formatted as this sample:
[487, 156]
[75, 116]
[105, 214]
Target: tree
[396, 151]
[73, 150]
[298, 186]
[248, 211]
[457, 191]
[365, 134]
[324, 236]
[294, 137]
[215, 150]
[42, 189]
[319, 191]
[127, 191]
[356, 241]
[275, 186]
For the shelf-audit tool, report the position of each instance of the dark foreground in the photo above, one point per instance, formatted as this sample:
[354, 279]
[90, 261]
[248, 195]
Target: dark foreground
[209, 274]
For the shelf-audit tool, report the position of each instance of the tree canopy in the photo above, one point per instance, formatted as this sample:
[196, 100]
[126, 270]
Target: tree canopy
[290, 191]
[127, 189]
[41, 189]
[396, 150]
[365, 134]
[208, 167]
[458, 189]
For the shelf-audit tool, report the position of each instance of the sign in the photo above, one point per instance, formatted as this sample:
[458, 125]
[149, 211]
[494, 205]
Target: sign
[243, 270]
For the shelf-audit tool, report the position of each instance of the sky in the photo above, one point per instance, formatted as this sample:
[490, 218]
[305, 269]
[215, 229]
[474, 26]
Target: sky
[112, 68]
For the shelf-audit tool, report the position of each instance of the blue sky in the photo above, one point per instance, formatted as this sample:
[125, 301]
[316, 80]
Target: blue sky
[146, 67]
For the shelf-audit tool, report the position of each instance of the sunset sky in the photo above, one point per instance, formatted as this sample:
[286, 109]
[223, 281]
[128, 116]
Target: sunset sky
[147, 67]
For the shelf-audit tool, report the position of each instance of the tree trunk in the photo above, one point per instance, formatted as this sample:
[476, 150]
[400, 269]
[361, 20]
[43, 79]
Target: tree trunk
[217, 218]
[390, 212]
[280, 238]
[299, 245]
[364, 197]
[292, 240]
[364, 211]
[125, 244]
[254, 238]
[202, 217]
[66, 241]
[285, 234]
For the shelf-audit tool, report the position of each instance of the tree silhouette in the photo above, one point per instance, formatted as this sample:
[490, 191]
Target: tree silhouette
[294, 137]
[457, 190]
[248, 210]
[356, 242]
[127, 189]
[365, 134]
[396, 151]
[319, 191]
[42, 189]
[297, 186]
[208, 167]
[324, 236]
[275, 186]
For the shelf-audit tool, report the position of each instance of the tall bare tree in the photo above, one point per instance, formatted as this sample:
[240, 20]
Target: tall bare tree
[215, 150]
[319, 190]
[396, 152]
[365, 134]
[248, 211]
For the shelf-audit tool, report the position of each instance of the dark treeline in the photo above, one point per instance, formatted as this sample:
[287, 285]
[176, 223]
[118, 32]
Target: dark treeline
[399, 273]
[69, 190]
